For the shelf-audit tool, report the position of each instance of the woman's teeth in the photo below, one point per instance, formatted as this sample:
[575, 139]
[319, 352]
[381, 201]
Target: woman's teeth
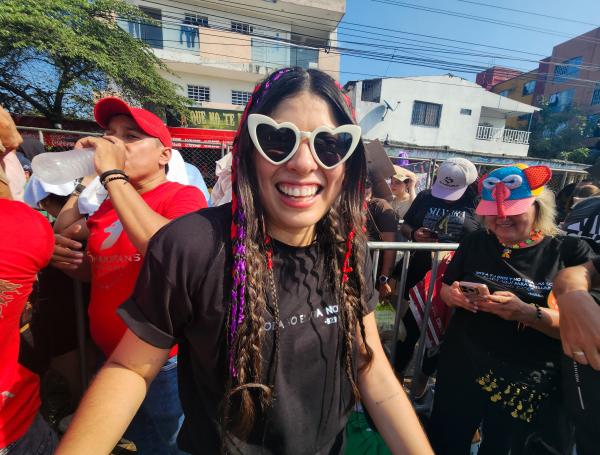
[298, 191]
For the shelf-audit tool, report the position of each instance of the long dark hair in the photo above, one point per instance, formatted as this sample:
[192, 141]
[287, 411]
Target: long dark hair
[340, 236]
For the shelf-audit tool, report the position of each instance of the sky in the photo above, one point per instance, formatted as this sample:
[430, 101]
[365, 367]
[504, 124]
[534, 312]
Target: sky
[530, 36]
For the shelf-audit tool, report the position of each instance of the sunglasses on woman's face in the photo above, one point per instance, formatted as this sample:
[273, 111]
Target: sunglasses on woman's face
[278, 142]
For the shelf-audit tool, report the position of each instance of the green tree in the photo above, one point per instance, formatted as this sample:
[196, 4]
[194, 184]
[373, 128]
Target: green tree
[56, 56]
[558, 134]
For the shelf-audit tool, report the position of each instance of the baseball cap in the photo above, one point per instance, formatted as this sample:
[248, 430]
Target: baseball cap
[453, 178]
[402, 174]
[149, 123]
[511, 190]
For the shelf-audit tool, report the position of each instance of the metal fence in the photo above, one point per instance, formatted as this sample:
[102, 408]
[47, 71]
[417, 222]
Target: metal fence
[203, 155]
[407, 247]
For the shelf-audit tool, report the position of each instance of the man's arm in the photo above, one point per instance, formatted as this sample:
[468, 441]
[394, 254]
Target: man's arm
[579, 313]
[386, 401]
[114, 397]
[70, 214]
[139, 221]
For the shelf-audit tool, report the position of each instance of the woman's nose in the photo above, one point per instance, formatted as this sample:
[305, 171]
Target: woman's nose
[303, 161]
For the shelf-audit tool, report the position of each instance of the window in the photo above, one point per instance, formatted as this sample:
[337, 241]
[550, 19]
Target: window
[426, 114]
[504, 93]
[195, 20]
[241, 27]
[304, 57]
[240, 98]
[149, 33]
[464, 111]
[561, 101]
[198, 93]
[528, 88]
[371, 91]
[569, 69]
[596, 95]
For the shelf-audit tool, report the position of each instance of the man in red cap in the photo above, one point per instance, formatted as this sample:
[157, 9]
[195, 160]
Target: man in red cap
[131, 160]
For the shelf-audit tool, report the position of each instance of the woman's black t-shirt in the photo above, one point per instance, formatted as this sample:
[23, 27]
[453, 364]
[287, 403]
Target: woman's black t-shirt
[182, 296]
[528, 273]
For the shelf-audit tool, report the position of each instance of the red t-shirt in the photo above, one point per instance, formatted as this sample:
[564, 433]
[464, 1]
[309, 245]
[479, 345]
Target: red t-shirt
[26, 244]
[116, 262]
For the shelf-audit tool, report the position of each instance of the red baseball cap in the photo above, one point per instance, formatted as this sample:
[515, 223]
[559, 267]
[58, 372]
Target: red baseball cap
[149, 123]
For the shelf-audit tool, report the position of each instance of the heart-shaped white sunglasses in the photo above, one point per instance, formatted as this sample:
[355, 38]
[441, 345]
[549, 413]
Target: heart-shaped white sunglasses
[278, 142]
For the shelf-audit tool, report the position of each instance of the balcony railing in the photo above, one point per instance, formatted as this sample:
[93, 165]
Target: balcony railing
[489, 133]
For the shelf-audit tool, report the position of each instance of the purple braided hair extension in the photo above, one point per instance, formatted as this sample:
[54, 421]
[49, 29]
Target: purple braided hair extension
[238, 228]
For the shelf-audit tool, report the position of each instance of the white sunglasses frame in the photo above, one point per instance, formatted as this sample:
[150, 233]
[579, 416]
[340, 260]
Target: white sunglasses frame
[258, 119]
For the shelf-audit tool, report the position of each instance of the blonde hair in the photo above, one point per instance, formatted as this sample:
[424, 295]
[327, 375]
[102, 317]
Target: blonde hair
[545, 214]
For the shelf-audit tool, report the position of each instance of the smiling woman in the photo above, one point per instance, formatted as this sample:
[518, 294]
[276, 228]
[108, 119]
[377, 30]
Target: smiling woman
[269, 297]
[499, 361]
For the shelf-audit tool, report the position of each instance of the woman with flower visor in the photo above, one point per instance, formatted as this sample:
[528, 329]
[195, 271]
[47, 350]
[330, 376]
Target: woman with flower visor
[269, 297]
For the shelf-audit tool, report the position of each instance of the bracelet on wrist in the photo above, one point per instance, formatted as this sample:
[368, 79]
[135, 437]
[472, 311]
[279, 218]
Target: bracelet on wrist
[106, 174]
[78, 190]
[115, 177]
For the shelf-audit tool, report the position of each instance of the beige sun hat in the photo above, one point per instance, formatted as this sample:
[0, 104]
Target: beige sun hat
[402, 174]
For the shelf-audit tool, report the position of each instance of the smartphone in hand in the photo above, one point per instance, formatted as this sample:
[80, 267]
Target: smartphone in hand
[473, 291]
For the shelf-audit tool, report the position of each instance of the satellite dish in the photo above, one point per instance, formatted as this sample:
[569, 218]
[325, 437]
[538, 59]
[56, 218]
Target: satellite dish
[372, 118]
[388, 108]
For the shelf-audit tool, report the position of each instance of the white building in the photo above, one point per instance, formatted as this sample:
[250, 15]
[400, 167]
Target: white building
[443, 112]
[219, 50]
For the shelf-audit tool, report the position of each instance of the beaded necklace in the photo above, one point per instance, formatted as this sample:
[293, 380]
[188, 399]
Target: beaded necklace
[534, 236]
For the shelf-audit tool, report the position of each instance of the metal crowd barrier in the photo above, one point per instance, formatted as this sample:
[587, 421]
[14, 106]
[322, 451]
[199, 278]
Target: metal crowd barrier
[436, 248]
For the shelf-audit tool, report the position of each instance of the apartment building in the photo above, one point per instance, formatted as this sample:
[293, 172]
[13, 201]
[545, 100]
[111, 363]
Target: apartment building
[439, 112]
[572, 78]
[523, 87]
[217, 51]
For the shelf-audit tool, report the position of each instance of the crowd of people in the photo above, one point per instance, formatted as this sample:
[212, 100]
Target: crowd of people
[249, 327]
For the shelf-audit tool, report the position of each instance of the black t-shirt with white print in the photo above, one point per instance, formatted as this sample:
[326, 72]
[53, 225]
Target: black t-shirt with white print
[182, 296]
[528, 273]
[450, 220]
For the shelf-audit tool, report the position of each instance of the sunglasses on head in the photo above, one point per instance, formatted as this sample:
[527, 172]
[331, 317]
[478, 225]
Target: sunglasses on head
[278, 142]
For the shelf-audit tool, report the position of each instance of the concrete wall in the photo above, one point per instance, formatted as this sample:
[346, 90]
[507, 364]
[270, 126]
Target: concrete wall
[456, 131]
[220, 89]
[224, 60]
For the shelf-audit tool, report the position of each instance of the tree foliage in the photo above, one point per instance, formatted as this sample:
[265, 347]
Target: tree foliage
[559, 135]
[56, 56]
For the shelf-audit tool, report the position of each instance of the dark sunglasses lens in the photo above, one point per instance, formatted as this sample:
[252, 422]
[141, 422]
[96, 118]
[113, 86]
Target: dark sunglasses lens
[332, 148]
[276, 143]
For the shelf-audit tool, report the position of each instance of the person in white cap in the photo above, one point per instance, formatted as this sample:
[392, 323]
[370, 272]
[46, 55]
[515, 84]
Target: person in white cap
[445, 213]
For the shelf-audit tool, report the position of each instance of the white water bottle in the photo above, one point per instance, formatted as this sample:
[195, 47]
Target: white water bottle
[57, 168]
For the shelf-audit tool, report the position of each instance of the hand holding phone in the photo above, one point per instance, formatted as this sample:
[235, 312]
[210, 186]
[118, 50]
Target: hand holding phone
[424, 234]
[474, 291]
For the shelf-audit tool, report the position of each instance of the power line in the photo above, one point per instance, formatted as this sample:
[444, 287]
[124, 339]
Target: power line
[532, 13]
[342, 25]
[396, 46]
[427, 62]
[489, 20]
